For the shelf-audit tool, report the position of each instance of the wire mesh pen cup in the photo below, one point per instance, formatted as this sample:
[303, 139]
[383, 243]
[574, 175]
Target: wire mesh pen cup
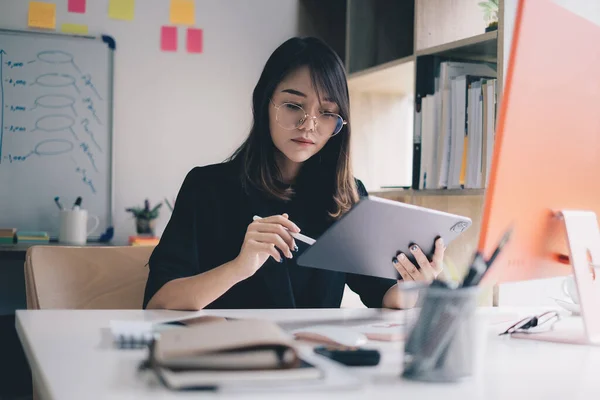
[443, 336]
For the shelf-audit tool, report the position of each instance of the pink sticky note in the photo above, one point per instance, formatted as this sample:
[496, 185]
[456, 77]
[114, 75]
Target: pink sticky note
[194, 40]
[77, 6]
[168, 38]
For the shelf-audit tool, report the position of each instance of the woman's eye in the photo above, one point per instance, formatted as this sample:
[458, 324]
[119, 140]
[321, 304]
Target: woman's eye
[292, 106]
[329, 114]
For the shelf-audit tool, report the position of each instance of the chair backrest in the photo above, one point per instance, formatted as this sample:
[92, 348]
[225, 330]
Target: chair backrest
[60, 277]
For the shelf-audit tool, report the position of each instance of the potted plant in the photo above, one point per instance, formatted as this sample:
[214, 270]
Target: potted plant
[145, 218]
[490, 14]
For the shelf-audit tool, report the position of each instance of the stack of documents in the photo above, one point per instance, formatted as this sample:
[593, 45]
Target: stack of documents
[33, 237]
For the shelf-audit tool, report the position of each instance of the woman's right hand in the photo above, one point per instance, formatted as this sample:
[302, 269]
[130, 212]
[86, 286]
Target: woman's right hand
[263, 238]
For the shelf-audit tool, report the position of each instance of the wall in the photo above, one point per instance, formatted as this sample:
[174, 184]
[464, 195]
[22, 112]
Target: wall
[173, 111]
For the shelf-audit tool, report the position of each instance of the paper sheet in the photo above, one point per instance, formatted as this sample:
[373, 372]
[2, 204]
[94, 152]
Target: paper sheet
[182, 12]
[168, 38]
[121, 9]
[77, 6]
[41, 15]
[76, 29]
[194, 40]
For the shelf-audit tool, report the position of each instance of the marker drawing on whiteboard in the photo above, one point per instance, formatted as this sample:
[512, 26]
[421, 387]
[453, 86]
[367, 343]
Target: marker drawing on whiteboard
[56, 123]
[90, 106]
[44, 148]
[86, 122]
[86, 150]
[55, 80]
[85, 179]
[87, 79]
[55, 101]
[57, 57]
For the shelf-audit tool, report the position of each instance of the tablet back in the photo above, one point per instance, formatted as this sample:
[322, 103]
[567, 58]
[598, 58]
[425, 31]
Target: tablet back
[365, 240]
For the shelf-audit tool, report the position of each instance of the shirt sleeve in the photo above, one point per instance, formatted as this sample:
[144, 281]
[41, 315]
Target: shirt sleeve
[370, 289]
[176, 255]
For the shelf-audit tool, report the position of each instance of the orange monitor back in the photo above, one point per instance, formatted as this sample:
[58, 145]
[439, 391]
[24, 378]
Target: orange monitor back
[547, 152]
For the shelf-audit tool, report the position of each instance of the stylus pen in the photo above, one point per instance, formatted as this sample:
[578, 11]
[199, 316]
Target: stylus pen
[298, 236]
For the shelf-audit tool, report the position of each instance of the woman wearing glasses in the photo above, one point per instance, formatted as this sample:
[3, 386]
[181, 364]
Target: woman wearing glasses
[294, 170]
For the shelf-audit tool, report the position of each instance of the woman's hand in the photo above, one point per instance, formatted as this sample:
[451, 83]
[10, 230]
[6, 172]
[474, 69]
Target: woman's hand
[263, 239]
[428, 270]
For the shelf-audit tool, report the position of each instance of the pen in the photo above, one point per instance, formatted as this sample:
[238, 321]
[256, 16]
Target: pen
[77, 204]
[479, 267]
[295, 235]
[57, 201]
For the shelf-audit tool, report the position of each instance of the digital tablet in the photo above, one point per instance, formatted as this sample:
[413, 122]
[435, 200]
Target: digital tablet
[365, 239]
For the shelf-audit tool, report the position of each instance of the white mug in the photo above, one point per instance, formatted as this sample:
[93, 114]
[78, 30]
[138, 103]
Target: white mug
[73, 226]
[569, 288]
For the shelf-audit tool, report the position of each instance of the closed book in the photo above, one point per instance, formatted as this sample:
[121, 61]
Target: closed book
[7, 232]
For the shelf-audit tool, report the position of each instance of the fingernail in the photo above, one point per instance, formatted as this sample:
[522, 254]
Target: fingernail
[295, 248]
[413, 248]
[401, 256]
[280, 260]
[395, 260]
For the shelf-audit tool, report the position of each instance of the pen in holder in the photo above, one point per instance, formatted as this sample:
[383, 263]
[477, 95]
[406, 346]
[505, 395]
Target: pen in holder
[443, 336]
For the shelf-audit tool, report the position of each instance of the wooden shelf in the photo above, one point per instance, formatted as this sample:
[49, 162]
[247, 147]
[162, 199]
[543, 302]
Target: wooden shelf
[429, 192]
[395, 77]
[482, 47]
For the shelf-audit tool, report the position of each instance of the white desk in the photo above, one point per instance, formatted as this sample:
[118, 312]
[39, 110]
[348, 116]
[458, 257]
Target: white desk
[71, 358]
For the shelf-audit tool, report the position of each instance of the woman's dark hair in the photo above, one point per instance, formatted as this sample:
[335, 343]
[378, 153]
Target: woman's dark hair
[331, 167]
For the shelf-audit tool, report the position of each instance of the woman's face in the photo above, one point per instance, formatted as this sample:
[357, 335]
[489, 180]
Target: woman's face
[299, 143]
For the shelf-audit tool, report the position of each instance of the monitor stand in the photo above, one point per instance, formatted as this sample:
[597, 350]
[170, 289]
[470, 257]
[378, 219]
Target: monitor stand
[583, 236]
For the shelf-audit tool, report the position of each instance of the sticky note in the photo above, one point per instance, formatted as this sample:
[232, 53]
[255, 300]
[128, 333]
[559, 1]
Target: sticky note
[76, 29]
[168, 38]
[41, 15]
[121, 9]
[183, 12]
[194, 40]
[77, 6]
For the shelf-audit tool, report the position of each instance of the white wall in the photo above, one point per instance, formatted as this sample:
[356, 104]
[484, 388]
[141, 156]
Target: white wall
[173, 111]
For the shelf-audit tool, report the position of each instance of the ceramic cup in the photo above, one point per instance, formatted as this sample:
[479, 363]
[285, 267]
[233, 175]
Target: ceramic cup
[569, 288]
[74, 226]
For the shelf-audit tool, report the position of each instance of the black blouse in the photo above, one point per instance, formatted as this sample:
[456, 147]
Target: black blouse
[207, 229]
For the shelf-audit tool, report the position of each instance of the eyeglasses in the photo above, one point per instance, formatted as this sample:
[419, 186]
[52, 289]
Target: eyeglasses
[291, 116]
[538, 323]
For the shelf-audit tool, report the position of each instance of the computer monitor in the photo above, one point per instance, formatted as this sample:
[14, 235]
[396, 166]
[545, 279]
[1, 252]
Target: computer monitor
[547, 148]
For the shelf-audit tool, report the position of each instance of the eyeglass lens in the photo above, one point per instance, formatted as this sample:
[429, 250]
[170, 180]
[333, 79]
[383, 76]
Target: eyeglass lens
[292, 116]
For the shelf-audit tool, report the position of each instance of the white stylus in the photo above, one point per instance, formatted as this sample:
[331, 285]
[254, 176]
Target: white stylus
[299, 236]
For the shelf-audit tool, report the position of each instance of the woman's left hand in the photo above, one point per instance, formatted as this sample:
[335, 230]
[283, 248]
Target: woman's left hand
[428, 270]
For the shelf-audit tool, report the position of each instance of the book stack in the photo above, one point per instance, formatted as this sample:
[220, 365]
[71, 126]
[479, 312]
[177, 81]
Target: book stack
[143, 240]
[33, 237]
[455, 128]
[7, 235]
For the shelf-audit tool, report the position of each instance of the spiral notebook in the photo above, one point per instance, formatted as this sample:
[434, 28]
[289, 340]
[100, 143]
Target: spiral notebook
[139, 334]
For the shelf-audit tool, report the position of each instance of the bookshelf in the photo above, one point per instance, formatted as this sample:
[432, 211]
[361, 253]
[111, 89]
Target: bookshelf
[392, 50]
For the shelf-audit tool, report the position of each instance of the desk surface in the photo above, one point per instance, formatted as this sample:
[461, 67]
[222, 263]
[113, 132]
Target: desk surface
[71, 357]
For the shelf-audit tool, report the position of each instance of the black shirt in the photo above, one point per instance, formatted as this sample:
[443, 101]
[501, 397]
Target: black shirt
[207, 229]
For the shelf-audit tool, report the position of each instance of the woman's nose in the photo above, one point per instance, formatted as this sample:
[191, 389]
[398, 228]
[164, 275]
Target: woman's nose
[310, 123]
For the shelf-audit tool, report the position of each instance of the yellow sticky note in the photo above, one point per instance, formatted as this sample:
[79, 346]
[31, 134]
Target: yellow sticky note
[41, 15]
[121, 9]
[183, 12]
[76, 29]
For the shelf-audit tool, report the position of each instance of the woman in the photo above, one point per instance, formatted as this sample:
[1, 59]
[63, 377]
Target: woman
[294, 170]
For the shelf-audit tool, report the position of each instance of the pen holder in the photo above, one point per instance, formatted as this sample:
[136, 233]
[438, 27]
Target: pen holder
[444, 340]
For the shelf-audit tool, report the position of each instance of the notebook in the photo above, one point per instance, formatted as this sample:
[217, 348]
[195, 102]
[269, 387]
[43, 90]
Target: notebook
[213, 354]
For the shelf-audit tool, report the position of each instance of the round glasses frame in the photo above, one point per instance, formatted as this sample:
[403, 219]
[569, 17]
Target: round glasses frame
[306, 116]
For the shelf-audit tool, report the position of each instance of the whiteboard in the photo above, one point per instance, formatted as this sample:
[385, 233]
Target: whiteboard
[55, 128]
